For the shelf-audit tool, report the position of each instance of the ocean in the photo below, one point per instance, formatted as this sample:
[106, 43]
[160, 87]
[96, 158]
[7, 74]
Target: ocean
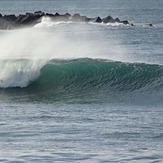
[82, 92]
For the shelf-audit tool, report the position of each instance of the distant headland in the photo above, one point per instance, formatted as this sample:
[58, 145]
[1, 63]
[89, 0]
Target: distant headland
[30, 19]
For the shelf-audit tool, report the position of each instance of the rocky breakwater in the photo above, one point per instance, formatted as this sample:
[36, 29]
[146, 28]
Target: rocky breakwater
[30, 19]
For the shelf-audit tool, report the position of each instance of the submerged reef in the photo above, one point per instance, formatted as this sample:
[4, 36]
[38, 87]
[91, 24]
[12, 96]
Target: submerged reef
[30, 19]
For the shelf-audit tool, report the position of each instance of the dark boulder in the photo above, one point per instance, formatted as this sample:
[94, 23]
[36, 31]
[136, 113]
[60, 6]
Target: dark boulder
[108, 19]
[39, 13]
[79, 18]
[96, 20]
[124, 22]
[49, 15]
[30, 19]
[10, 18]
[7, 21]
[76, 17]
[117, 20]
[4, 24]
[19, 19]
[56, 14]
[85, 19]
[57, 17]
[67, 15]
[64, 17]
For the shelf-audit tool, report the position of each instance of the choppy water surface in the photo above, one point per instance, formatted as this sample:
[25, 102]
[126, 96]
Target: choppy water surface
[81, 133]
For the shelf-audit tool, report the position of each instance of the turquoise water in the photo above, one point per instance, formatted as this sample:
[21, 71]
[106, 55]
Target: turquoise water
[76, 92]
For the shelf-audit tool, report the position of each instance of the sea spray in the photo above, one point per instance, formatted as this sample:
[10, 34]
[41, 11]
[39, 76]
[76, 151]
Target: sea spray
[37, 43]
[60, 41]
[19, 72]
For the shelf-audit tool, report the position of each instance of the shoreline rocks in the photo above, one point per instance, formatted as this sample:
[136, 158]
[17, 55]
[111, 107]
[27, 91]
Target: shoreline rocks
[30, 19]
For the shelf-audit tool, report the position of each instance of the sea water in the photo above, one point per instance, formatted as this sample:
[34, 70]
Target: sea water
[82, 92]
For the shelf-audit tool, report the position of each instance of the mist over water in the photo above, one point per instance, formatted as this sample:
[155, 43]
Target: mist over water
[49, 40]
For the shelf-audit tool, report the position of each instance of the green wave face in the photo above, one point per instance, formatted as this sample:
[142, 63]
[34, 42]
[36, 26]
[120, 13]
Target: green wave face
[84, 79]
[87, 74]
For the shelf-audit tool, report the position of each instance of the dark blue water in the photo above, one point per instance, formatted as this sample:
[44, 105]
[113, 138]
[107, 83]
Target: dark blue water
[82, 92]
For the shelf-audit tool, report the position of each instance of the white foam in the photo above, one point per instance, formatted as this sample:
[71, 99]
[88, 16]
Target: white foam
[19, 73]
[115, 24]
[45, 22]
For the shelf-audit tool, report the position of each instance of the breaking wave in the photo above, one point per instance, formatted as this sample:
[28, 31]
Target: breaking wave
[80, 74]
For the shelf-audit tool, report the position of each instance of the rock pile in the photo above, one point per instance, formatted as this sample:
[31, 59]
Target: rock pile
[30, 19]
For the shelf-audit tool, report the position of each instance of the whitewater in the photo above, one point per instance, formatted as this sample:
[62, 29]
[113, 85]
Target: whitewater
[82, 92]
